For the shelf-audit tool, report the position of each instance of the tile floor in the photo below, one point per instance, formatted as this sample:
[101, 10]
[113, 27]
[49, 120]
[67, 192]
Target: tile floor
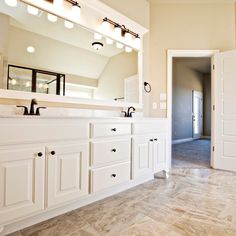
[191, 202]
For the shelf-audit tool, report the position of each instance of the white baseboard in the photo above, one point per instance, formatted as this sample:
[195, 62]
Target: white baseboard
[178, 141]
[91, 198]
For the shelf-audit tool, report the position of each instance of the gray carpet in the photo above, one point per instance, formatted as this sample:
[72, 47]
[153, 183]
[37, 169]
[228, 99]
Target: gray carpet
[194, 154]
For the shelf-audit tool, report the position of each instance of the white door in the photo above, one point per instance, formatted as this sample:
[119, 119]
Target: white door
[67, 175]
[197, 114]
[225, 111]
[142, 156]
[22, 173]
[159, 153]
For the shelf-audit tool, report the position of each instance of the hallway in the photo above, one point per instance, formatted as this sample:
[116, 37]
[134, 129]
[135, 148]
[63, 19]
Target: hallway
[195, 154]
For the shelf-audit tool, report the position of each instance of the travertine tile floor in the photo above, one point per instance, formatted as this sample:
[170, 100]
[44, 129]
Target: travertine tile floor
[191, 202]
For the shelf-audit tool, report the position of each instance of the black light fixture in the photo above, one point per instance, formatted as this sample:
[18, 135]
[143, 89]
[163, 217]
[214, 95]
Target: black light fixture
[97, 45]
[121, 31]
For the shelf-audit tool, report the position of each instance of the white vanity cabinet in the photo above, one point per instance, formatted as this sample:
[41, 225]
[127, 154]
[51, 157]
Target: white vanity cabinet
[22, 176]
[110, 155]
[149, 147]
[67, 172]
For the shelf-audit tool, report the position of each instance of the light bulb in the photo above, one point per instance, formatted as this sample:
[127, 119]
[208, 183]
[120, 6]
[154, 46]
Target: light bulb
[27, 84]
[105, 26]
[137, 42]
[97, 36]
[75, 10]
[109, 41]
[117, 31]
[128, 49]
[128, 37]
[11, 3]
[13, 82]
[52, 18]
[119, 45]
[69, 24]
[30, 49]
[32, 10]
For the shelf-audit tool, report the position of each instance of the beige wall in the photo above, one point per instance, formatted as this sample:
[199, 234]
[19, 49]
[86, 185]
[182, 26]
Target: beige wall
[185, 80]
[186, 26]
[110, 84]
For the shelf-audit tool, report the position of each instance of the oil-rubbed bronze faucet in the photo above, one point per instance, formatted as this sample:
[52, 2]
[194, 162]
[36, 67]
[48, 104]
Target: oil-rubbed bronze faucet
[32, 109]
[129, 113]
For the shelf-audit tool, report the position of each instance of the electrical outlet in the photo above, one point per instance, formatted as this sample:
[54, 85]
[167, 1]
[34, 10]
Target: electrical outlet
[163, 97]
[154, 105]
[163, 105]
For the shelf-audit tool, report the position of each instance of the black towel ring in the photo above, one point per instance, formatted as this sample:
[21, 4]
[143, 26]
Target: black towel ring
[147, 87]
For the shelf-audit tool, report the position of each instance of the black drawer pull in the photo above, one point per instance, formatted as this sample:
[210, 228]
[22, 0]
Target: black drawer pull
[113, 175]
[53, 153]
[113, 150]
[114, 129]
[155, 139]
[40, 154]
[151, 140]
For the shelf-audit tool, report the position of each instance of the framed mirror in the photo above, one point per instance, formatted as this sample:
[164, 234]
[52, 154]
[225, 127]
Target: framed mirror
[46, 55]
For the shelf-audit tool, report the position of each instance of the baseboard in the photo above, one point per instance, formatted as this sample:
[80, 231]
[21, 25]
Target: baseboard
[91, 198]
[178, 141]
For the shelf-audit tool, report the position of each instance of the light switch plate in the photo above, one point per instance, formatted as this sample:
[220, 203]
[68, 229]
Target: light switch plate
[163, 97]
[154, 105]
[163, 105]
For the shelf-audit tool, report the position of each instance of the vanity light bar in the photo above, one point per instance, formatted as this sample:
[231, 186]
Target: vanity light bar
[74, 3]
[124, 30]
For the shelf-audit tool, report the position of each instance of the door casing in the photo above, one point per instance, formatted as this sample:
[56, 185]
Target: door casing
[191, 54]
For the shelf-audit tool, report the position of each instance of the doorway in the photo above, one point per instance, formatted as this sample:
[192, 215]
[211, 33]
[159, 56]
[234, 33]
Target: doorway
[191, 142]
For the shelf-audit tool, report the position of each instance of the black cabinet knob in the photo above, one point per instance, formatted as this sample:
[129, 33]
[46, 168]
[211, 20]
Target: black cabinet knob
[113, 150]
[151, 140]
[155, 139]
[53, 153]
[114, 129]
[40, 154]
[113, 175]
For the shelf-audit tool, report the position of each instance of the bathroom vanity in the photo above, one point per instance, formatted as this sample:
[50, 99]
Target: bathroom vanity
[51, 165]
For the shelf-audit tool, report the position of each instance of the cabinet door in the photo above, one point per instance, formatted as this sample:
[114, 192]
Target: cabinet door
[142, 156]
[67, 175]
[22, 173]
[159, 153]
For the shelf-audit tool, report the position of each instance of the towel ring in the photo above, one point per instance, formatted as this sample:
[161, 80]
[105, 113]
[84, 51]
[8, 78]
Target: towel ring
[147, 87]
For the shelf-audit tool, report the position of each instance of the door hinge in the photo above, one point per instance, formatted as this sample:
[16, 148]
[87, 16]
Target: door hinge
[214, 107]
[213, 148]
[213, 67]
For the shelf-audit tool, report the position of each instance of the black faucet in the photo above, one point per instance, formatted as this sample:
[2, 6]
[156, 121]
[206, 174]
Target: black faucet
[129, 113]
[32, 109]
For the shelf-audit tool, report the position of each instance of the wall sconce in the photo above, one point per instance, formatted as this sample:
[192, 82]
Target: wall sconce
[122, 31]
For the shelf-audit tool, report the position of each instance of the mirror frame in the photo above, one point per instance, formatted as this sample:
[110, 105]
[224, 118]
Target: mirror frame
[102, 9]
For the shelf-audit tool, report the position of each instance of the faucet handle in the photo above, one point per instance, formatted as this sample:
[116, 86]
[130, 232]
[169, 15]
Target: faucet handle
[26, 112]
[38, 110]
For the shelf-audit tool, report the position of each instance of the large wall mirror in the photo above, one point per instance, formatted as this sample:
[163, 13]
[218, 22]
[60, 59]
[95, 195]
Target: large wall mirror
[46, 57]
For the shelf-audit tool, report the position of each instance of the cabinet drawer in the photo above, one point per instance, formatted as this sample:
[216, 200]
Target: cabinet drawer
[106, 177]
[113, 129]
[103, 152]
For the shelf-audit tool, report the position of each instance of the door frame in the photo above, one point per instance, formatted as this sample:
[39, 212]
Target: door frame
[192, 54]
